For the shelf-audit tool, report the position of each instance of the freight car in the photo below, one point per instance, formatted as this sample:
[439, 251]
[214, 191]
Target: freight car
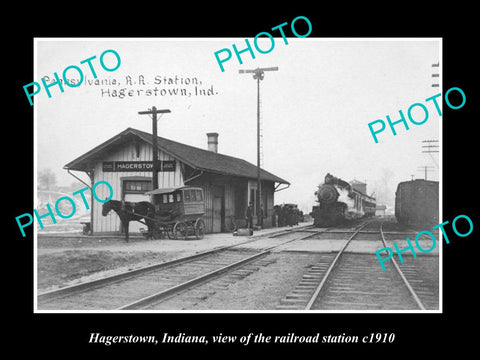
[416, 203]
[339, 201]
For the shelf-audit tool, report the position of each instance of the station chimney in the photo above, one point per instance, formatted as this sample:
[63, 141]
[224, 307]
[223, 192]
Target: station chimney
[212, 142]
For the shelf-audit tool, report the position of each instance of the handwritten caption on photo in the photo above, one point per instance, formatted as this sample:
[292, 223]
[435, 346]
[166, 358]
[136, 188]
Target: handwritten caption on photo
[106, 65]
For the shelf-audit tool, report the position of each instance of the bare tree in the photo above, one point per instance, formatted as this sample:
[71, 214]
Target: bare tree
[384, 189]
[47, 180]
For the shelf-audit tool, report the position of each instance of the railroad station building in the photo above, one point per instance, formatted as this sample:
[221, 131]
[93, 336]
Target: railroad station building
[125, 162]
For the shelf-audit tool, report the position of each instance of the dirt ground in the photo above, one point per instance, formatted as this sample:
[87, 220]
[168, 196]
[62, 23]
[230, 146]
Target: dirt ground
[68, 259]
[61, 268]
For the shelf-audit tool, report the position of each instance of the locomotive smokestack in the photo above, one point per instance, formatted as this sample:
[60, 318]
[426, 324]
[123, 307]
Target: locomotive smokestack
[212, 141]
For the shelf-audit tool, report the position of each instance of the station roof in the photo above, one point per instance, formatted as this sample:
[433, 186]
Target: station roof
[194, 157]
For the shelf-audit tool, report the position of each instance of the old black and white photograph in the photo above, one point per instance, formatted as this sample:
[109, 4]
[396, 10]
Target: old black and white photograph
[274, 174]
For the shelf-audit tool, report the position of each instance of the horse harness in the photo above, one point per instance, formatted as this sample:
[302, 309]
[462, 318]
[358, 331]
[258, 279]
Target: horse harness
[129, 207]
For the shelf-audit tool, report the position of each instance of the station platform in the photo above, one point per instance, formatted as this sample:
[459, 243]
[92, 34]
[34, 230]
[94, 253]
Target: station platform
[50, 243]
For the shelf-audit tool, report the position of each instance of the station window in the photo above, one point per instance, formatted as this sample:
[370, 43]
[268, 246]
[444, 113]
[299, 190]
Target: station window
[138, 185]
[193, 195]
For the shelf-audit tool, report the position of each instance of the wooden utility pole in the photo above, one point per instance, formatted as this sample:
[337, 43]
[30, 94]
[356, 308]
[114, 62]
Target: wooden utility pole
[154, 113]
[258, 75]
[431, 146]
[436, 75]
[426, 168]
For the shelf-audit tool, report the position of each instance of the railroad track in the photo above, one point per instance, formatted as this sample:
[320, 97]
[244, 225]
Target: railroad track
[352, 281]
[140, 288]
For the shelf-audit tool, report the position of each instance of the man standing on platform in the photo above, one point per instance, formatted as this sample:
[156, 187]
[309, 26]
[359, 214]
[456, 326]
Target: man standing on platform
[249, 215]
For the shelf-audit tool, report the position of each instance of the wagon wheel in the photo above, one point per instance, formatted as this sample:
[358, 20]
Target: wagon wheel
[180, 230]
[157, 233]
[199, 228]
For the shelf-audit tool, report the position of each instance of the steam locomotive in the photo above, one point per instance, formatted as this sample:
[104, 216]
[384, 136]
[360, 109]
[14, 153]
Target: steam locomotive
[340, 201]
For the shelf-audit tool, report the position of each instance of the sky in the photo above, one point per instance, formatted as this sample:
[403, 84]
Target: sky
[314, 111]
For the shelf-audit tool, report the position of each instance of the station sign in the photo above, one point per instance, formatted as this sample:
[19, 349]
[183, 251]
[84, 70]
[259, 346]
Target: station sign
[121, 166]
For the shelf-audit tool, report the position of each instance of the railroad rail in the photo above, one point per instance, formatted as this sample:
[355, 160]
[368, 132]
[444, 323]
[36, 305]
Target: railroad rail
[133, 289]
[350, 282]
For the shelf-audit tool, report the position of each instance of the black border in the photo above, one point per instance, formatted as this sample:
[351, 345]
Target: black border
[52, 334]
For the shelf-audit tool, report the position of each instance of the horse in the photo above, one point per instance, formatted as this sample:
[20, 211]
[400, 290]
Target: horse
[131, 211]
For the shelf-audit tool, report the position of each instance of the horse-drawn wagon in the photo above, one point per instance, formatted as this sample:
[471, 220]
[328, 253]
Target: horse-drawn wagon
[173, 212]
[179, 211]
